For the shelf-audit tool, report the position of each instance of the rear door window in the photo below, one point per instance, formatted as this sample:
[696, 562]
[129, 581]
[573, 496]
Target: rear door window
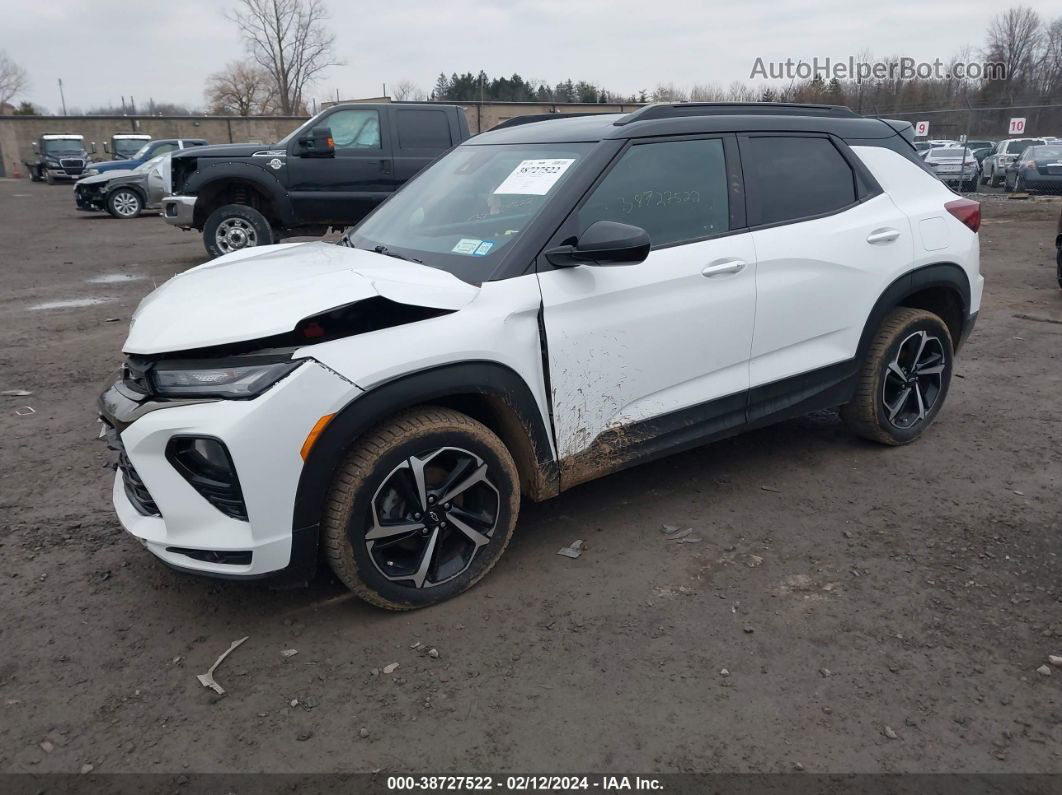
[424, 129]
[795, 177]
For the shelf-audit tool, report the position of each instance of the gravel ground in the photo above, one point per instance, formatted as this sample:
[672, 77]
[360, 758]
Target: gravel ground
[875, 610]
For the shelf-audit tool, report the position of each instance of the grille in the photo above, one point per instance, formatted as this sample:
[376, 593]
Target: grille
[134, 487]
[72, 162]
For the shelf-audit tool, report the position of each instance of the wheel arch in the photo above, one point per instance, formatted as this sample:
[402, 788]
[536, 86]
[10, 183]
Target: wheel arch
[942, 288]
[489, 392]
[131, 187]
[237, 183]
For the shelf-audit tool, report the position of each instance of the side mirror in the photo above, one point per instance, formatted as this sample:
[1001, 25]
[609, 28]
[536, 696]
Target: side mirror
[36, 149]
[106, 147]
[94, 147]
[604, 243]
[318, 143]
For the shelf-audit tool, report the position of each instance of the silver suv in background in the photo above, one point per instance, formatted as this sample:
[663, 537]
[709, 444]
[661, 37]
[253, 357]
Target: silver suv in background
[994, 167]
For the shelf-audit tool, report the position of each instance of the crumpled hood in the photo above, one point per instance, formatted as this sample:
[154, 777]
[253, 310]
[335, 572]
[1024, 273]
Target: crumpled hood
[97, 179]
[267, 290]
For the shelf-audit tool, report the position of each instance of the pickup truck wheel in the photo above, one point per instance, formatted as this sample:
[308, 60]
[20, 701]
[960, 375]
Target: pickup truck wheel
[421, 509]
[35, 174]
[903, 380]
[234, 227]
[49, 178]
[124, 203]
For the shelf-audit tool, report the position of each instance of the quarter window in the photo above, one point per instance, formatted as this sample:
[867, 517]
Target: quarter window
[355, 129]
[797, 177]
[675, 190]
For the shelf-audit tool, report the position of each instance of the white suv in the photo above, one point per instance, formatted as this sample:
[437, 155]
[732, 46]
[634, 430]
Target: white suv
[546, 304]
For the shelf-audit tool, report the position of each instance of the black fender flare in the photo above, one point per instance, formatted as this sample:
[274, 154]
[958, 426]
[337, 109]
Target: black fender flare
[482, 379]
[941, 274]
[210, 175]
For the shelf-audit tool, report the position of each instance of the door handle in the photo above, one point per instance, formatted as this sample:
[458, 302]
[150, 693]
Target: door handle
[385, 166]
[720, 267]
[883, 235]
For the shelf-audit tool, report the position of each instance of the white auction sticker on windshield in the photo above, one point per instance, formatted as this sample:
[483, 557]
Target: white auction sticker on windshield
[467, 245]
[534, 177]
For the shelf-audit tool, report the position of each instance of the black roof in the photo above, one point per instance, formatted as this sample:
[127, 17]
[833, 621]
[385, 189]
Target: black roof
[692, 118]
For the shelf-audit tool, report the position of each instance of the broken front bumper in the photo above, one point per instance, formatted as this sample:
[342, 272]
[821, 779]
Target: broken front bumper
[159, 506]
[179, 211]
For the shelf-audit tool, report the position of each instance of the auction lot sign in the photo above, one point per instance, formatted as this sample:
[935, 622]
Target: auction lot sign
[1017, 126]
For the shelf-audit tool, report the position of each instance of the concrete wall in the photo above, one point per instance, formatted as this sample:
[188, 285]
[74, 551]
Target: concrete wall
[17, 133]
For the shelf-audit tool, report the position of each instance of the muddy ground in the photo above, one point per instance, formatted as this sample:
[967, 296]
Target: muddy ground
[844, 587]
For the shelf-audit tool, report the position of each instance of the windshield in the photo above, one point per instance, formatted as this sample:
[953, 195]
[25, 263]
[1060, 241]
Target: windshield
[64, 146]
[305, 125]
[467, 209]
[150, 164]
[142, 151]
[127, 147]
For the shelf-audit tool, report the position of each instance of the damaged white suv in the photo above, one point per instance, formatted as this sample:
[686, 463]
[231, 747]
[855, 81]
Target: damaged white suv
[546, 304]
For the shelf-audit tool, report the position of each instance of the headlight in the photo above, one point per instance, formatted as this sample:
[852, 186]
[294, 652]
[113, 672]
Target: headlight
[92, 172]
[202, 379]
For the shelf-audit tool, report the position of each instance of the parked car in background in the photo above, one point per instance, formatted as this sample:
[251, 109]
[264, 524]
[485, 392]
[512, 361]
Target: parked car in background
[123, 146]
[145, 153]
[57, 156]
[953, 165]
[125, 194]
[922, 146]
[974, 145]
[384, 403]
[331, 171]
[1038, 168]
[994, 167]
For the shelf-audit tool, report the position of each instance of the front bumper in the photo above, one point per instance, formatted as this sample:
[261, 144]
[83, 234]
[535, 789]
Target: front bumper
[88, 202]
[263, 437]
[179, 210]
[65, 173]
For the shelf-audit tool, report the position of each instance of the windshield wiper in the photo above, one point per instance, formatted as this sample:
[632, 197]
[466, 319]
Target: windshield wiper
[388, 253]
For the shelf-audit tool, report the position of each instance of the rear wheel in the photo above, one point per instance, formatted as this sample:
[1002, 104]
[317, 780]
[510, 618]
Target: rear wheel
[904, 378]
[421, 509]
[124, 203]
[235, 227]
[994, 180]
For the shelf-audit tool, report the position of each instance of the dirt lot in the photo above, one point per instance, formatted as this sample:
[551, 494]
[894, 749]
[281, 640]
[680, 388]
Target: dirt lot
[844, 587]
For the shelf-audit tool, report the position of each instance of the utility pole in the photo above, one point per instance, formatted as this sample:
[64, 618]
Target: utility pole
[61, 97]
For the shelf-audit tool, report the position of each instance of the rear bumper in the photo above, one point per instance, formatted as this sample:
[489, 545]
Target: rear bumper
[1044, 182]
[179, 211]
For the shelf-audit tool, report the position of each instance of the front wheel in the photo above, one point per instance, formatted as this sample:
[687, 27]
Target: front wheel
[421, 509]
[903, 380]
[124, 203]
[48, 177]
[235, 227]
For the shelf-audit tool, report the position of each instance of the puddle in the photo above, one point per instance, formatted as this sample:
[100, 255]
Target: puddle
[70, 303]
[115, 278]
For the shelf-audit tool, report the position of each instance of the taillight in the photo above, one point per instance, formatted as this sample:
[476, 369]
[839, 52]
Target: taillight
[966, 210]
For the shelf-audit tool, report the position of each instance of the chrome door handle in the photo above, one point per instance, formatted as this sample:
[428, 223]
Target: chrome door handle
[883, 236]
[720, 267]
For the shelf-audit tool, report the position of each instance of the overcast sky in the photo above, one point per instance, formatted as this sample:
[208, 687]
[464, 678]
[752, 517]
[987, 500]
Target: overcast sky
[103, 49]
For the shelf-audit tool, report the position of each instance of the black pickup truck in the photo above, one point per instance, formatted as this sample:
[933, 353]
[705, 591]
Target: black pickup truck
[330, 172]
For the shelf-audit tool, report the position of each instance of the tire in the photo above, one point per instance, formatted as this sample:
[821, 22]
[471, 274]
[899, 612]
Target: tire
[49, 178]
[1019, 184]
[983, 179]
[377, 477]
[1006, 185]
[1058, 266]
[35, 174]
[124, 203]
[880, 388]
[994, 179]
[235, 227]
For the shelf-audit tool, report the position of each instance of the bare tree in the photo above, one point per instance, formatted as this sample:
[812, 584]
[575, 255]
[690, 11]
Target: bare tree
[241, 89]
[1014, 39]
[290, 40]
[407, 90]
[668, 93]
[706, 92]
[13, 79]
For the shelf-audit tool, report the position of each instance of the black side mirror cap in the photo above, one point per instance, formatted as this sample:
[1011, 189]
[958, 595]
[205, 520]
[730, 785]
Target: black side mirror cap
[318, 143]
[604, 243]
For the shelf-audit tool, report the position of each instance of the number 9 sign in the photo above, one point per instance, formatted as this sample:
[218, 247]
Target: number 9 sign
[1017, 127]
[921, 129]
